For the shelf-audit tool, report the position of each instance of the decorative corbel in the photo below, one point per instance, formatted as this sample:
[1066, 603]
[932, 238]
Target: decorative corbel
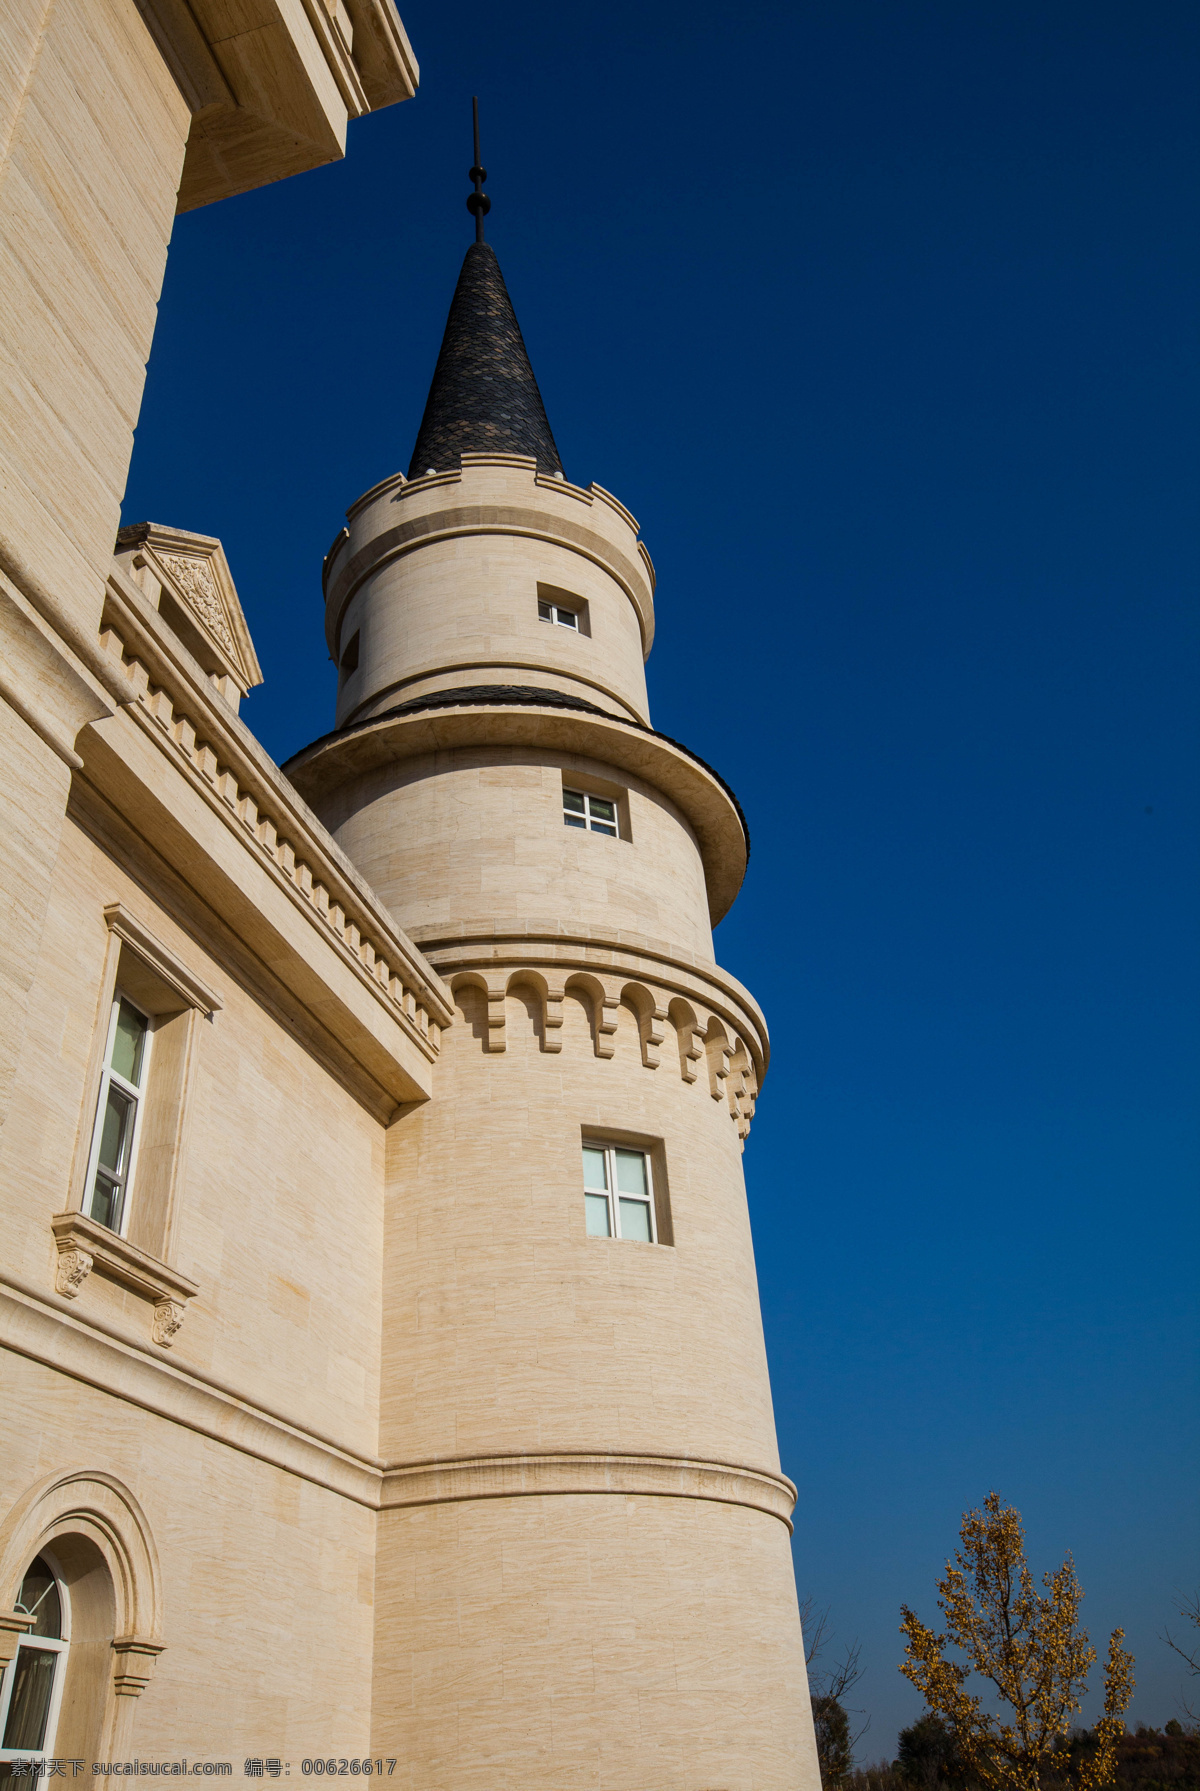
[496, 992]
[168, 1316]
[652, 1035]
[83, 1245]
[734, 1088]
[133, 1664]
[552, 1017]
[72, 1268]
[13, 1625]
[608, 1008]
[693, 1053]
[720, 1052]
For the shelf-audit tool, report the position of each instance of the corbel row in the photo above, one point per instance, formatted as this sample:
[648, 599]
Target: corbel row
[706, 1044]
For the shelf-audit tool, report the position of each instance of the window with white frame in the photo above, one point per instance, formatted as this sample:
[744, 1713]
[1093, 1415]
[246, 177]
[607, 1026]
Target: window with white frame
[597, 813]
[557, 613]
[618, 1192]
[118, 1116]
[31, 1689]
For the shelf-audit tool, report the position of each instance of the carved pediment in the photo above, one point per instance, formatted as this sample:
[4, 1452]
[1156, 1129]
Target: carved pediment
[187, 578]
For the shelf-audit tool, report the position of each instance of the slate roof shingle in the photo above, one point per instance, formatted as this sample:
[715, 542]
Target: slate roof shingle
[484, 398]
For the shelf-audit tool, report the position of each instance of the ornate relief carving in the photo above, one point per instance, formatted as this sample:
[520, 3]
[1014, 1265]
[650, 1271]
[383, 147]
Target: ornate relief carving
[194, 579]
[168, 1316]
[83, 1245]
[71, 1271]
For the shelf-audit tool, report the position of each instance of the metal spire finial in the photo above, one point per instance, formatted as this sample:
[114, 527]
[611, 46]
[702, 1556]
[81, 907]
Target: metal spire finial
[478, 204]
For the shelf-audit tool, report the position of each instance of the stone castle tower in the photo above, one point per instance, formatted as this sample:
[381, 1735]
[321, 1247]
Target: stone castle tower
[382, 1386]
[590, 1543]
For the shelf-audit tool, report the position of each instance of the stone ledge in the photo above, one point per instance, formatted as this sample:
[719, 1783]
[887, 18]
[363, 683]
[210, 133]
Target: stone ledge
[566, 727]
[95, 1355]
[534, 1476]
[84, 1245]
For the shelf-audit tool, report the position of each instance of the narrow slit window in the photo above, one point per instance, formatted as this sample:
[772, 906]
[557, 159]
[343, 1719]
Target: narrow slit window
[118, 1116]
[555, 612]
[595, 813]
[618, 1193]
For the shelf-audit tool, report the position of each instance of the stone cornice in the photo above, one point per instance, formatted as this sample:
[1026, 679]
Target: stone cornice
[41, 1327]
[169, 692]
[36, 1327]
[270, 93]
[436, 675]
[165, 962]
[708, 805]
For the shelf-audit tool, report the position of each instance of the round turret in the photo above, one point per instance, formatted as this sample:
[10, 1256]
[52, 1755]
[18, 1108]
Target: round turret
[583, 1572]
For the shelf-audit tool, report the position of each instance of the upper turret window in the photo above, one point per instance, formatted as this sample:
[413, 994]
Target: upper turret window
[618, 1193]
[596, 813]
[555, 612]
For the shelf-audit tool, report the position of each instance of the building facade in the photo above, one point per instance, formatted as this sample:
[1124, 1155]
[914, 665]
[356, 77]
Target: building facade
[383, 1377]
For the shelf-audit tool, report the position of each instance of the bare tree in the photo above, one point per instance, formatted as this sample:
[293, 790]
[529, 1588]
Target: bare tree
[1189, 1610]
[828, 1688]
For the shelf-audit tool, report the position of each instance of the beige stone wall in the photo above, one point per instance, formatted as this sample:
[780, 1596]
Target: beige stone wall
[478, 834]
[506, 1327]
[32, 800]
[266, 1580]
[464, 611]
[279, 1202]
[91, 164]
[612, 1639]
[439, 578]
[601, 1643]
[92, 133]
[583, 1575]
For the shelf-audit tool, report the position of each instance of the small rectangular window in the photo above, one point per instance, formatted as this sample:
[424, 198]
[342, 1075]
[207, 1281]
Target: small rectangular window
[118, 1114]
[557, 612]
[618, 1193]
[596, 813]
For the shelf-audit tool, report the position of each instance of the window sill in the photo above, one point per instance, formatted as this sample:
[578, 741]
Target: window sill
[84, 1245]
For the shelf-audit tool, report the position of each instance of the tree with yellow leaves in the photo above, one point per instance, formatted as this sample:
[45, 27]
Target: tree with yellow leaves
[1029, 1645]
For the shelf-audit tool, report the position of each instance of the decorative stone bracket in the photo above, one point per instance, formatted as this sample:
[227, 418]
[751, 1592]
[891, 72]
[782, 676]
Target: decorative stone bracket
[133, 1665]
[704, 1042]
[13, 1625]
[84, 1245]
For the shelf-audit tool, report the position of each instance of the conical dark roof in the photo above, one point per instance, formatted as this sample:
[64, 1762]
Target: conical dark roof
[484, 398]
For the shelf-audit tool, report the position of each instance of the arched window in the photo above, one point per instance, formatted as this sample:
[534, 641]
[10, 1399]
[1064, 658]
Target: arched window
[32, 1685]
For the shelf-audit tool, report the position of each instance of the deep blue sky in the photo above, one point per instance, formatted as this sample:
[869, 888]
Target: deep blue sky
[882, 319]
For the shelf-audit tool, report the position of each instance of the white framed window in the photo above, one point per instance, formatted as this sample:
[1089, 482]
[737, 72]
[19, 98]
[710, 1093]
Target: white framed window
[31, 1689]
[557, 613]
[597, 813]
[118, 1116]
[618, 1192]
